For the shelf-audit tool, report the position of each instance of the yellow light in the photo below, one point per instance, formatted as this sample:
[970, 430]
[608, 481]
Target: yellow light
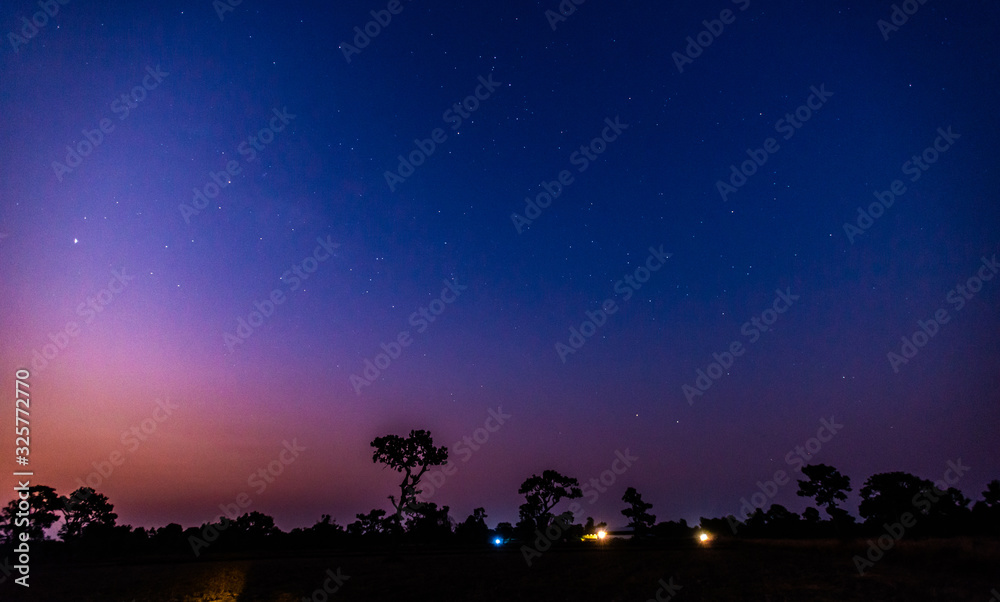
[602, 534]
[703, 537]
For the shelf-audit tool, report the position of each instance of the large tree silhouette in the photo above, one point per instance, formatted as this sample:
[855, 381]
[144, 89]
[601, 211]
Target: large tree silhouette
[542, 493]
[826, 485]
[886, 496]
[83, 509]
[638, 519]
[411, 456]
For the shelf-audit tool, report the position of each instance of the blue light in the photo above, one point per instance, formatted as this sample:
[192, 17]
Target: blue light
[497, 541]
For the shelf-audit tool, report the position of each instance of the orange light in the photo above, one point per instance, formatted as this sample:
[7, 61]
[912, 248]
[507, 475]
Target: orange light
[602, 534]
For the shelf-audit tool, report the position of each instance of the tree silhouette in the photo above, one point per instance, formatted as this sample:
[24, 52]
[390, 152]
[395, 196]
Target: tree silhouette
[477, 518]
[326, 533]
[991, 495]
[168, 539]
[542, 493]
[811, 515]
[368, 525]
[505, 531]
[886, 496]
[473, 529]
[326, 528]
[254, 526]
[756, 523]
[949, 512]
[590, 527]
[826, 485]
[639, 520]
[411, 456]
[43, 503]
[83, 509]
[986, 512]
[781, 522]
[677, 530]
[429, 524]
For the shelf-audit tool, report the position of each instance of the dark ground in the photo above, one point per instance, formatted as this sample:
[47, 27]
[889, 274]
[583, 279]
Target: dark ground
[953, 569]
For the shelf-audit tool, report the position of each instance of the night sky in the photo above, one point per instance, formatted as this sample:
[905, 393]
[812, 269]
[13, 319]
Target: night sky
[225, 231]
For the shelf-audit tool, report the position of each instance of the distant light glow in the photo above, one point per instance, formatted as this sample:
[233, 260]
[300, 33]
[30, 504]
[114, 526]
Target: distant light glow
[497, 541]
[602, 534]
[704, 537]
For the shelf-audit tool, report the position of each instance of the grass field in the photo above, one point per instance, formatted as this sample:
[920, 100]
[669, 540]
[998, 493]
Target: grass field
[956, 569]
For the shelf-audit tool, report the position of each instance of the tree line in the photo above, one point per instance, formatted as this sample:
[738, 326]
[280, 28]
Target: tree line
[87, 523]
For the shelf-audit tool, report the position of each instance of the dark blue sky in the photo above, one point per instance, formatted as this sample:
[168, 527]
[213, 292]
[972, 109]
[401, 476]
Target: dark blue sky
[175, 330]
